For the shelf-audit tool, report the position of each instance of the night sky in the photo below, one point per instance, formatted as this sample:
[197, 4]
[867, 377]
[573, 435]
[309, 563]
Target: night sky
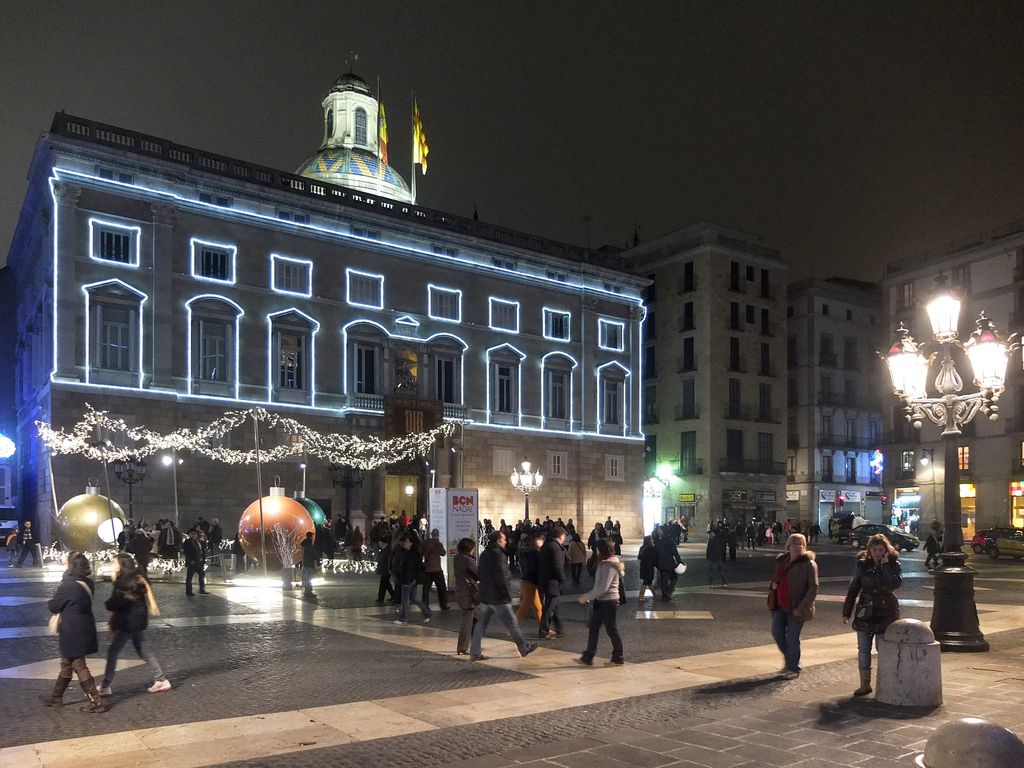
[845, 134]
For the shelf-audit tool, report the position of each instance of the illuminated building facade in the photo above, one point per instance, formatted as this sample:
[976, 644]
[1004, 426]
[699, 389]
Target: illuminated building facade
[714, 366]
[987, 270]
[834, 396]
[167, 285]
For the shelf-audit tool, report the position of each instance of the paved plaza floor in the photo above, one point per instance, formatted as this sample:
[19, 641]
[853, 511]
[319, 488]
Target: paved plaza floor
[264, 678]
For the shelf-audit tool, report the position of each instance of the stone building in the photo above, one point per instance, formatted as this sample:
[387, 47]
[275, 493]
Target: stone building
[835, 400]
[167, 285]
[987, 270]
[714, 367]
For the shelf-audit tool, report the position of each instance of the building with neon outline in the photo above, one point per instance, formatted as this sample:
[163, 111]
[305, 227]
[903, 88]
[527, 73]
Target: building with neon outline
[166, 285]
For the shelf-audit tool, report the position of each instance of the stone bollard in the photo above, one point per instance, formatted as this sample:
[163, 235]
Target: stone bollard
[972, 743]
[909, 666]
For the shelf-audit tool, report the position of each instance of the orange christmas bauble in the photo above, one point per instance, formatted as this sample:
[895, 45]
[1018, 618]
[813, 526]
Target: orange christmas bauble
[286, 522]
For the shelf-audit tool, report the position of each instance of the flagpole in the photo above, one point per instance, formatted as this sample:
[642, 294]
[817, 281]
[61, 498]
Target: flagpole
[413, 171]
[380, 169]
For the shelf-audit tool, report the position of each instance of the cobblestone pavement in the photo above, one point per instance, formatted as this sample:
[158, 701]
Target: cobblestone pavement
[232, 656]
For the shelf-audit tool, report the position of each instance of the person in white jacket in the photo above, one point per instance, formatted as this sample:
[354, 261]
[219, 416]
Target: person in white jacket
[605, 596]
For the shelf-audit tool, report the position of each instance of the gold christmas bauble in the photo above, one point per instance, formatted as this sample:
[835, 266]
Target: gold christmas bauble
[286, 522]
[84, 522]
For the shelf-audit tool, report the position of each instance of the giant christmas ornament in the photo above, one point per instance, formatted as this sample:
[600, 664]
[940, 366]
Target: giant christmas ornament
[315, 510]
[87, 523]
[286, 522]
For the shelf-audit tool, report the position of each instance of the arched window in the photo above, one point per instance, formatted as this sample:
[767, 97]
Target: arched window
[557, 390]
[366, 344]
[330, 124]
[113, 340]
[360, 126]
[213, 346]
[503, 382]
[293, 357]
[612, 398]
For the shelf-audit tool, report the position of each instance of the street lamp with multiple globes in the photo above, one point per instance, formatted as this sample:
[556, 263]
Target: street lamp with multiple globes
[130, 471]
[954, 613]
[526, 482]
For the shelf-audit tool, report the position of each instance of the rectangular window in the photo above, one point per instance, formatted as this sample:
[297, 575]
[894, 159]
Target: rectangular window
[115, 338]
[851, 469]
[503, 461]
[688, 453]
[765, 450]
[612, 402]
[213, 261]
[614, 468]
[734, 276]
[291, 359]
[220, 201]
[298, 218]
[963, 457]
[764, 402]
[556, 394]
[369, 234]
[851, 355]
[651, 404]
[364, 289]
[689, 404]
[734, 316]
[735, 398]
[851, 429]
[610, 335]
[687, 320]
[907, 461]
[650, 325]
[689, 278]
[766, 284]
[445, 304]
[651, 363]
[751, 315]
[766, 323]
[734, 354]
[826, 426]
[444, 370]
[734, 444]
[113, 242]
[874, 432]
[557, 464]
[961, 278]
[689, 361]
[504, 315]
[766, 360]
[294, 276]
[556, 324]
[213, 351]
[503, 387]
[904, 296]
[365, 382]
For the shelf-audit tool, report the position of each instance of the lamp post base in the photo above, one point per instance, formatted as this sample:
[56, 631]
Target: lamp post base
[954, 614]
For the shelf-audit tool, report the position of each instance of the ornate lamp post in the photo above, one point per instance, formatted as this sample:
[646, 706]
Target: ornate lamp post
[526, 482]
[347, 478]
[130, 471]
[954, 613]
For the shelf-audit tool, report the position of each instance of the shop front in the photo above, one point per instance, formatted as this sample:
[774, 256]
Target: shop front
[1017, 504]
[968, 509]
[906, 509]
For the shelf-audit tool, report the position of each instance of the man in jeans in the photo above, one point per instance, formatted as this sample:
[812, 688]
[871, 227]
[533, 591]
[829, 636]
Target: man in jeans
[496, 597]
[27, 544]
[308, 565]
[549, 581]
[433, 553]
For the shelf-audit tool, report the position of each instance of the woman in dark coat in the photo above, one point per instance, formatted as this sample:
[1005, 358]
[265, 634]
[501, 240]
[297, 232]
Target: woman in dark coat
[129, 604]
[77, 633]
[871, 588]
[467, 591]
[648, 565]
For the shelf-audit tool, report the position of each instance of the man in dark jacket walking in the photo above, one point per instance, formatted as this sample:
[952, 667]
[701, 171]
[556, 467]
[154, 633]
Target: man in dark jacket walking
[409, 570]
[308, 564]
[667, 560]
[195, 557]
[550, 577]
[496, 597]
[27, 544]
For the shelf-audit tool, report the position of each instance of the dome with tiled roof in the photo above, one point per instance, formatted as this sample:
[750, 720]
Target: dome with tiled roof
[350, 152]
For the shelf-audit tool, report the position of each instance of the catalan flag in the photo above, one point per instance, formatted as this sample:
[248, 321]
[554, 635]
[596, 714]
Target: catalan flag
[382, 134]
[419, 139]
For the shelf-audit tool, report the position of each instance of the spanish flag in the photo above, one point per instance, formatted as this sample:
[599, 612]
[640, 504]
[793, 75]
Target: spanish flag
[419, 139]
[382, 134]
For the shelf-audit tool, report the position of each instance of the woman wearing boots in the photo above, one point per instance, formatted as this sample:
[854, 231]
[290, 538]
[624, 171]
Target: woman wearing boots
[77, 633]
[467, 592]
[130, 604]
[871, 588]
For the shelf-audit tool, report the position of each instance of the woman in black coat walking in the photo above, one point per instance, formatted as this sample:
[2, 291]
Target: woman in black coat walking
[77, 633]
[878, 575]
[648, 565]
[130, 604]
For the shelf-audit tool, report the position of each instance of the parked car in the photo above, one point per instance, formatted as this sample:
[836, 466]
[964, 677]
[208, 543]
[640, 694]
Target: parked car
[982, 539]
[1006, 542]
[897, 537]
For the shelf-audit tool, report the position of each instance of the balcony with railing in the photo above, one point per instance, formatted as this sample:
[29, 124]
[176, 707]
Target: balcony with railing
[684, 412]
[844, 441]
[737, 411]
[691, 467]
[737, 364]
[455, 411]
[752, 466]
[769, 415]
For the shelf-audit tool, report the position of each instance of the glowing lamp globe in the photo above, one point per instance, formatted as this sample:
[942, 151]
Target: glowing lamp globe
[944, 315]
[988, 355]
[315, 510]
[286, 522]
[908, 368]
[86, 523]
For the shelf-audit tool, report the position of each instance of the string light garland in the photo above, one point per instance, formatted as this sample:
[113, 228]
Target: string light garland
[346, 450]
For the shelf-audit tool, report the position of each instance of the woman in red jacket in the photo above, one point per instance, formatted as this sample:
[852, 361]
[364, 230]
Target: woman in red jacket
[791, 599]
